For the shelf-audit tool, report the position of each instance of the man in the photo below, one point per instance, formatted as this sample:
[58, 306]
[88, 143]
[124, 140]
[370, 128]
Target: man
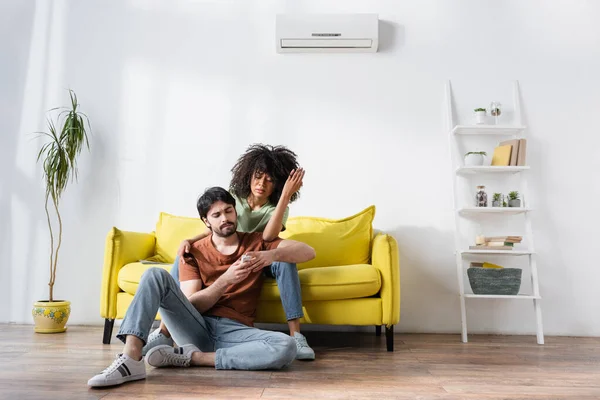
[265, 181]
[212, 314]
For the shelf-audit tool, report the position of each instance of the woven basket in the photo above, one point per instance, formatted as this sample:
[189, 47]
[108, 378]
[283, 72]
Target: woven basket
[503, 281]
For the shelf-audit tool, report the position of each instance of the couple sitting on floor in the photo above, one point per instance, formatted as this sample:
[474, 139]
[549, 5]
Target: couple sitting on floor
[208, 302]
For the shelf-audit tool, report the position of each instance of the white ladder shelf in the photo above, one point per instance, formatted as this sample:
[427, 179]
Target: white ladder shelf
[463, 211]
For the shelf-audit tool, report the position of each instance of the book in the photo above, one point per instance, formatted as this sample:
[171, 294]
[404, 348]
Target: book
[152, 262]
[514, 239]
[501, 156]
[497, 244]
[490, 265]
[490, 247]
[522, 155]
[505, 240]
[484, 265]
[514, 152]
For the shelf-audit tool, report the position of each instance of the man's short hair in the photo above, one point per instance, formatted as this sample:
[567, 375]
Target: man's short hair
[210, 197]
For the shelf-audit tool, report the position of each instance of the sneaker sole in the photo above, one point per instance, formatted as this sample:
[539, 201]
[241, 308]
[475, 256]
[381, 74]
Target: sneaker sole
[119, 381]
[305, 357]
[151, 353]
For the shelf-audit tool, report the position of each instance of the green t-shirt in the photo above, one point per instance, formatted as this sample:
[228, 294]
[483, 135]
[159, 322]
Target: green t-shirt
[255, 220]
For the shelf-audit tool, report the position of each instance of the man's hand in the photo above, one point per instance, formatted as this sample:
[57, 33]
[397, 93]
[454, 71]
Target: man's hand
[184, 247]
[293, 183]
[237, 272]
[260, 259]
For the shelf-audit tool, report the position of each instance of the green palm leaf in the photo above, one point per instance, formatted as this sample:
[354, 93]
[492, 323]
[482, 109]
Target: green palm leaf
[59, 162]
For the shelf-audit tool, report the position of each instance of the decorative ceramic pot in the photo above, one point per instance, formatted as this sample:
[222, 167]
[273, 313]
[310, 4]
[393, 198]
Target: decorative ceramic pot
[51, 316]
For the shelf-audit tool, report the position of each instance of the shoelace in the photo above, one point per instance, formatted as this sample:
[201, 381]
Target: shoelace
[177, 359]
[153, 337]
[115, 364]
[301, 341]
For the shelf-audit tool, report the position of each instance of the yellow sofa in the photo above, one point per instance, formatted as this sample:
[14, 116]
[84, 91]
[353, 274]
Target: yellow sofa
[354, 279]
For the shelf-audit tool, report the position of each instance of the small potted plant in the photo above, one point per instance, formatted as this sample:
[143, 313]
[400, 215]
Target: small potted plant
[497, 200]
[474, 158]
[480, 114]
[513, 199]
[495, 110]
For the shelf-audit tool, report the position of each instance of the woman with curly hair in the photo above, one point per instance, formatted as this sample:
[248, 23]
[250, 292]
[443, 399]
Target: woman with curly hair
[266, 179]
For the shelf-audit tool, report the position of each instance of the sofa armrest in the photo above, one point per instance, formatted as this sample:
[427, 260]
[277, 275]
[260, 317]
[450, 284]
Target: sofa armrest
[121, 248]
[384, 257]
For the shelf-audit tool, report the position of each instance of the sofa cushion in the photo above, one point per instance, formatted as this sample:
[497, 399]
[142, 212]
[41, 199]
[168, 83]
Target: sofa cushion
[171, 230]
[130, 275]
[327, 283]
[337, 242]
[331, 283]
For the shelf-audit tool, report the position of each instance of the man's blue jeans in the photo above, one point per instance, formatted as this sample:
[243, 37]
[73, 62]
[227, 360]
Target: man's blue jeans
[288, 282]
[237, 346]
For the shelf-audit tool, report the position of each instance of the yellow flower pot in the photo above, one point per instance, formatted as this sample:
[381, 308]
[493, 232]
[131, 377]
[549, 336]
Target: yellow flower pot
[51, 316]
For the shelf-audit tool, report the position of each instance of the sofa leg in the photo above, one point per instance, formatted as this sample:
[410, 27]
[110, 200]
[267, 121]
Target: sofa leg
[389, 337]
[108, 328]
[377, 330]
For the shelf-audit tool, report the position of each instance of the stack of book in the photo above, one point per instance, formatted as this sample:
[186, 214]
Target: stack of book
[510, 153]
[485, 265]
[498, 243]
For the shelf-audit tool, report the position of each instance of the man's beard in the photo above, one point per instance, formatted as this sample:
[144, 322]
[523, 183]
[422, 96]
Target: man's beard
[225, 231]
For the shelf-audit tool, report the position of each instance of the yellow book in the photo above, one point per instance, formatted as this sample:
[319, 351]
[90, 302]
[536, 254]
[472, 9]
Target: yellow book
[501, 155]
[490, 265]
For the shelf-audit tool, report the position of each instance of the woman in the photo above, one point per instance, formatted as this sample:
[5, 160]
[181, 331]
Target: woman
[266, 179]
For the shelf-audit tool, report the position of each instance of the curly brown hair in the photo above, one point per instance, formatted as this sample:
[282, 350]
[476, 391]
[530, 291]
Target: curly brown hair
[276, 161]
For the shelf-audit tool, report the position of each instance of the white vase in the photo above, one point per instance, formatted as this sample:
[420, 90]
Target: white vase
[473, 160]
[480, 117]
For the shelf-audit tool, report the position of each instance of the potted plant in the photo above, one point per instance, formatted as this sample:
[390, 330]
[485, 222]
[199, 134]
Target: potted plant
[495, 110]
[474, 158]
[497, 200]
[480, 114]
[513, 199]
[64, 141]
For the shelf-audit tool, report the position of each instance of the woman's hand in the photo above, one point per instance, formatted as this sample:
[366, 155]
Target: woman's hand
[293, 183]
[184, 247]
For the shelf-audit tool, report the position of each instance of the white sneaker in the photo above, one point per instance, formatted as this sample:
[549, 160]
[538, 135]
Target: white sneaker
[123, 369]
[167, 356]
[156, 338]
[304, 352]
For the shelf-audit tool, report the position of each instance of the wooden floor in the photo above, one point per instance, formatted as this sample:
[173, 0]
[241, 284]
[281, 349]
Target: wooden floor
[348, 365]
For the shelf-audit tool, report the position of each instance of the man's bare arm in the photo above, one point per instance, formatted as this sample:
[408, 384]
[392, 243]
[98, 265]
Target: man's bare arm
[289, 251]
[204, 299]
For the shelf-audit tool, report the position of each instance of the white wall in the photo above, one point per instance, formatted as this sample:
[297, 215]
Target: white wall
[177, 90]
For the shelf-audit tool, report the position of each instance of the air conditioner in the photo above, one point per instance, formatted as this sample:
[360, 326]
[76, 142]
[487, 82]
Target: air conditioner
[345, 33]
